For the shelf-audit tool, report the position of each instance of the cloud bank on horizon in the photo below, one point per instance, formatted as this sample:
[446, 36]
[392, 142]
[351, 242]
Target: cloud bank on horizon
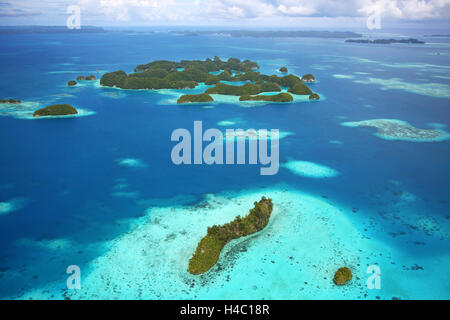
[184, 12]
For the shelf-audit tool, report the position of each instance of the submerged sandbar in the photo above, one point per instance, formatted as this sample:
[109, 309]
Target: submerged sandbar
[393, 129]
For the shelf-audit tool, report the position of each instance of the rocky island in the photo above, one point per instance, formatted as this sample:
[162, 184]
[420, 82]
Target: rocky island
[10, 101]
[187, 74]
[55, 110]
[209, 248]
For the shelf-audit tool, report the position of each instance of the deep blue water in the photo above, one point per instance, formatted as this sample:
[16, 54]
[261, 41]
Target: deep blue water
[65, 169]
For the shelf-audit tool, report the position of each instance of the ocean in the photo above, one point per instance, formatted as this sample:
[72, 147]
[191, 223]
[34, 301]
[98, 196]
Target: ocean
[100, 191]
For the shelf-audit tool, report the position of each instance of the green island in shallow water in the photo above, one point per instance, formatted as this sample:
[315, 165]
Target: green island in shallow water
[10, 101]
[187, 74]
[72, 83]
[208, 250]
[55, 110]
[342, 276]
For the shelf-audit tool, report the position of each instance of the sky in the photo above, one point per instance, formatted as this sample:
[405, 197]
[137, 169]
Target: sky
[253, 13]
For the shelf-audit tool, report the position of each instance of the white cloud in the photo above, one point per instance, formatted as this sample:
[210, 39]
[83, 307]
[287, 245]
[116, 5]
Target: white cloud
[396, 9]
[408, 9]
[130, 10]
[295, 10]
[238, 11]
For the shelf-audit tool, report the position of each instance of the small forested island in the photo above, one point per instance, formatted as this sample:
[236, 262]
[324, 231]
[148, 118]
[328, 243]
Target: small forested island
[55, 110]
[187, 74]
[209, 248]
[10, 101]
[308, 78]
[203, 97]
[283, 70]
[386, 41]
[71, 83]
[342, 276]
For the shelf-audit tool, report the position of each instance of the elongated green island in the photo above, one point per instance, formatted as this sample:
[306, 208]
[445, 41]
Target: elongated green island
[187, 74]
[208, 250]
[203, 97]
[10, 101]
[55, 110]
[281, 97]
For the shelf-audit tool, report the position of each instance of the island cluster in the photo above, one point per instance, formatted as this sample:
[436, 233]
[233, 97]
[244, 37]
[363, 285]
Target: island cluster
[81, 78]
[187, 74]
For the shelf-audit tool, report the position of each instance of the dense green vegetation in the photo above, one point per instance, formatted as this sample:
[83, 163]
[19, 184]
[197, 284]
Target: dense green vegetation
[342, 276]
[203, 97]
[55, 110]
[301, 89]
[114, 79]
[314, 96]
[71, 83]
[207, 65]
[187, 74]
[226, 89]
[308, 78]
[246, 89]
[212, 79]
[209, 248]
[283, 69]
[282, 97]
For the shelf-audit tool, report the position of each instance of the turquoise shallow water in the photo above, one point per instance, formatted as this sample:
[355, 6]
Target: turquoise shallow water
[99, 191]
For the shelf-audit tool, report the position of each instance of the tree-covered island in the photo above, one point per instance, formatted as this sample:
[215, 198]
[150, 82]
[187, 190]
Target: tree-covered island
[209, 248]
[187, 74]
[55, 110]
[10, 101]
[198, 98]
